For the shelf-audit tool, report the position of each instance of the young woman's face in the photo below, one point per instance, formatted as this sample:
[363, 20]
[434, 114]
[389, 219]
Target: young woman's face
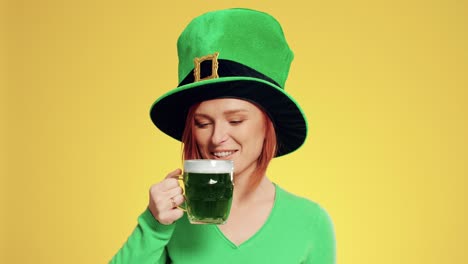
[230, 129]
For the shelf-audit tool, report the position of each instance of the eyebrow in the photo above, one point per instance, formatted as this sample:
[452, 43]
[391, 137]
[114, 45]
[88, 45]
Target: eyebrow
[228, 112]
[234, 111]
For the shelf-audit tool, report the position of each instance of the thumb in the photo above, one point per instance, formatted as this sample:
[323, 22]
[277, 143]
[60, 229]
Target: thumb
[174, 174]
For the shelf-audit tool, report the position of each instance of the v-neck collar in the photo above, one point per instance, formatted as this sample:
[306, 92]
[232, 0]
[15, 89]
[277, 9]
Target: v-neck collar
[259, 231]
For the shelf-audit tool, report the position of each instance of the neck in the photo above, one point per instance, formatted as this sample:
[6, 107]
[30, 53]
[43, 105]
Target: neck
[243, 192]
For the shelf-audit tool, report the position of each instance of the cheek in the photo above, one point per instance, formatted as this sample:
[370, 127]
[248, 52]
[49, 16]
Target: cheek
[256, 141]
[199, 137]
[201, 141]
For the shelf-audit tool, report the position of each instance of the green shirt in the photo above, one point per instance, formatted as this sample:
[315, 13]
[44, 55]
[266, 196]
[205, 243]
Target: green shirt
[296, 231]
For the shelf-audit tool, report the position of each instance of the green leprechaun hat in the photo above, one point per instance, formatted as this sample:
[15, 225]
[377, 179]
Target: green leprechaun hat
[234, 53]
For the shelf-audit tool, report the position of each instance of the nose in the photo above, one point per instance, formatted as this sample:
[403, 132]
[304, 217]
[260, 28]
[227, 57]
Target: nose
[220, 134]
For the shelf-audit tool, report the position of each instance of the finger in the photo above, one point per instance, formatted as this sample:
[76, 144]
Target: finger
[160, 196]
[178, 199]
[170, 181]
[168, 184]
[172, 202]
[171, 216]
[162, 205]
[173, 192]
[176, 214]
[174, 174]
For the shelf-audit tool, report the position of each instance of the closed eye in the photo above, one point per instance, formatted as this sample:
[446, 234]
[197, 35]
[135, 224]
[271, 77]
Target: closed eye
[236, 122]
[202, 124]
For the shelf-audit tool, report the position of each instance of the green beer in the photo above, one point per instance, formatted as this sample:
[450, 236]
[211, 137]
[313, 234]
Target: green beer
[209, 196]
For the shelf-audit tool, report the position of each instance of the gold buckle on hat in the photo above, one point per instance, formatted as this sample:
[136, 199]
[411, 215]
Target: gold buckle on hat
[214, 66]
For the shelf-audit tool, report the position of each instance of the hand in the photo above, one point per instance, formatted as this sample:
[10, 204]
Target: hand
[164, 197]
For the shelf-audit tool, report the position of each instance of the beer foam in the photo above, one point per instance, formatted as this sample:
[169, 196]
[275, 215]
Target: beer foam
[209, 166]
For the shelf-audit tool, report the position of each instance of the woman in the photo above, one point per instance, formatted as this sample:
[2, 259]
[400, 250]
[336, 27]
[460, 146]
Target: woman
[231, 104]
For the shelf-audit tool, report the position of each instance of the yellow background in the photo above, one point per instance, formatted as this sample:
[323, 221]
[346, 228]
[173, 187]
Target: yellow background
[383, 84]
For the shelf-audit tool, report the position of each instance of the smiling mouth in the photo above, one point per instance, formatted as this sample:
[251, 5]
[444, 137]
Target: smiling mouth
[223, 154]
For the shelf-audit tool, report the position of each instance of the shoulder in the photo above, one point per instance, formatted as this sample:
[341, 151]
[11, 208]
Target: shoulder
[308, 222]
[299, 207]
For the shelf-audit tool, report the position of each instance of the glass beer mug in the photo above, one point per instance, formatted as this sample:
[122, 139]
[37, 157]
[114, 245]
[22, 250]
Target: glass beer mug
[208, 188]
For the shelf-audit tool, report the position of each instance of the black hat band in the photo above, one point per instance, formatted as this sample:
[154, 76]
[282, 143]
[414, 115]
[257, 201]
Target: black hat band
[225, 68]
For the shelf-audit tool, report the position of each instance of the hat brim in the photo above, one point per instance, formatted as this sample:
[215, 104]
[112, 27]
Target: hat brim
[169, 112]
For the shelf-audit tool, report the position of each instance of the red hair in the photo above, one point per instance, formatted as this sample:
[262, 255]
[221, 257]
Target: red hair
[190, 148]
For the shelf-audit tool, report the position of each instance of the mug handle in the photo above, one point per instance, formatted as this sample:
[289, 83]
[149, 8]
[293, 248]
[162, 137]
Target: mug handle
[183, 206]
